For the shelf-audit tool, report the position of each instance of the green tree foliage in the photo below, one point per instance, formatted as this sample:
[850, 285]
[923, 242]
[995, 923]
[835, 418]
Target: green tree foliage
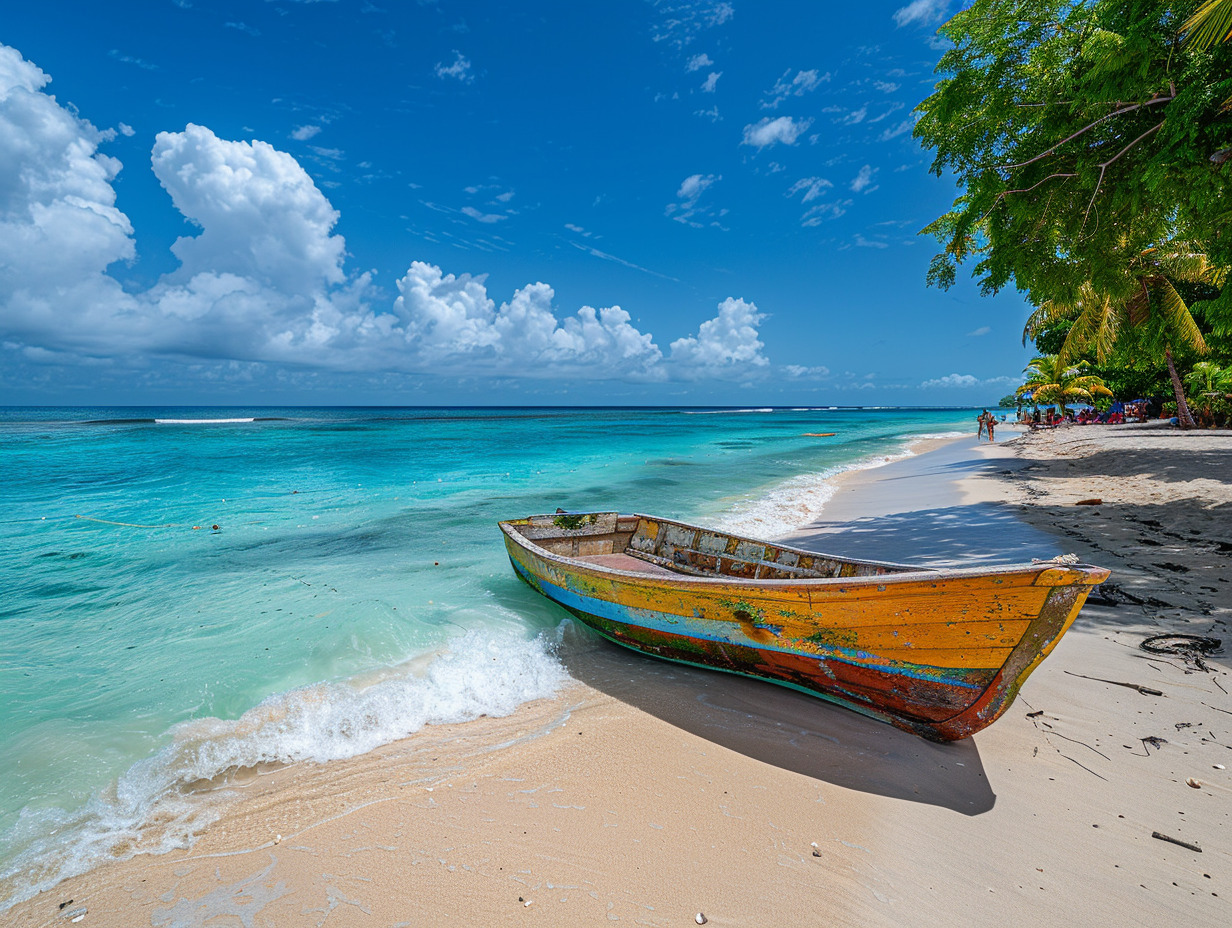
[1082, 137]
[1208, 377]
[1090, 141]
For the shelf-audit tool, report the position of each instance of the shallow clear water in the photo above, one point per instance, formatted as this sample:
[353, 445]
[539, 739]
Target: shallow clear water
[355, 588]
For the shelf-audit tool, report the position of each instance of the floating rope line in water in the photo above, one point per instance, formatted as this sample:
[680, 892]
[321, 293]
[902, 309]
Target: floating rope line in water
[195, 528]
[130, 524]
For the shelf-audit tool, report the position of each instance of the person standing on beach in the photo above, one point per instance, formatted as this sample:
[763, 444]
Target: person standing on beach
[982, 419]
[992, 420]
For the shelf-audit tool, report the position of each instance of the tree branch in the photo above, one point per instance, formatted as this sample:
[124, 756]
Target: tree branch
[1104, 167]
[1006, 193]
[1084, 129]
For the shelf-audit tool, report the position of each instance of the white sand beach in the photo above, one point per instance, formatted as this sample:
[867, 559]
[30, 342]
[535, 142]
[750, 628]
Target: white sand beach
[647, 793]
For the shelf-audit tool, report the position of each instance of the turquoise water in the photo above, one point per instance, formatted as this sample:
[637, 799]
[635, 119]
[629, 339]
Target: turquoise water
[354, 590]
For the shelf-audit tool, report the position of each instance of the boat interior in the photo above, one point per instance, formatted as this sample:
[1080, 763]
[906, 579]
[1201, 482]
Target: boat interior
[642, 544]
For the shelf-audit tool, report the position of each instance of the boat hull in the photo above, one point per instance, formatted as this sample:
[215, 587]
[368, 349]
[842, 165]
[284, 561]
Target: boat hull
[938, 653]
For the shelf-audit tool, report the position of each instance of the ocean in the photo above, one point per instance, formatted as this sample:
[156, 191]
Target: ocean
[189, 593]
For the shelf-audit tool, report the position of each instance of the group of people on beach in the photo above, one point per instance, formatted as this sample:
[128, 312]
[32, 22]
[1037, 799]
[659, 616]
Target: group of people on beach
[1117, 413]
[987, 423]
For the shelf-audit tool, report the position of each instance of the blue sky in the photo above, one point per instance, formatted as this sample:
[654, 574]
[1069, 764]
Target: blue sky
[466, 202]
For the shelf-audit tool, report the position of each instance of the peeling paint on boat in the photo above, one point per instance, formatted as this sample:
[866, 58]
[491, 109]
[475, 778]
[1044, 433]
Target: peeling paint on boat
[941, 653]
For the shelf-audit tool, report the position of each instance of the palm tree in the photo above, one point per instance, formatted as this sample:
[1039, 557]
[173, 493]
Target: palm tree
[1208, 378]
[1147, 303]
[1050, 379]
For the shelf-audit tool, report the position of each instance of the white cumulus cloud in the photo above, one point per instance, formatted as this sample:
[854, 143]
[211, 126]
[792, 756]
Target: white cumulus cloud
[708, 86]
[262, 280]
[59, 225]
[697, 62]
[953, 380]
[773, 131]
[261, 216]
[728, 344]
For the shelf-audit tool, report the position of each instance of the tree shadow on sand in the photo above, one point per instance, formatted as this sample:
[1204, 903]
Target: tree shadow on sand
[980, 534]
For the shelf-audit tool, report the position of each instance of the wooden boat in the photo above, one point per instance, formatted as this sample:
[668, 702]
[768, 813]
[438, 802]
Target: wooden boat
[940, 653]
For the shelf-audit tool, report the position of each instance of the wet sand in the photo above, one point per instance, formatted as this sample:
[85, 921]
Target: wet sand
[646, 792]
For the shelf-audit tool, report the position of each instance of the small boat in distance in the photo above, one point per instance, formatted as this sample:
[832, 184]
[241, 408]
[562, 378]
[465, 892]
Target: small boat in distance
[937, 652]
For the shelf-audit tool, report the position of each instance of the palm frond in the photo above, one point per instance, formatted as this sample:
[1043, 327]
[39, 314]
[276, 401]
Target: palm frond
[1210, 24]
[1097, 326]
[1178, 317]
[1138, 306]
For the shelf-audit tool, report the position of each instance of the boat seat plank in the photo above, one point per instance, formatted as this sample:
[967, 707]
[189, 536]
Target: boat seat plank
[625, 562]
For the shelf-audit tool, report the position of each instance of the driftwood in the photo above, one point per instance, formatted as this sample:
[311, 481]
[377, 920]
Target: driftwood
[1144, 690]
[1177, 841]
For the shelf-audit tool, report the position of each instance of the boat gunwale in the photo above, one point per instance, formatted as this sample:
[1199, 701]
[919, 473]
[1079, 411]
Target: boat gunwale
[905, 573]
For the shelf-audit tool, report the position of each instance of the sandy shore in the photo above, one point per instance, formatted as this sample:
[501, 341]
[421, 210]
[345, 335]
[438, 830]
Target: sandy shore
[646, 793]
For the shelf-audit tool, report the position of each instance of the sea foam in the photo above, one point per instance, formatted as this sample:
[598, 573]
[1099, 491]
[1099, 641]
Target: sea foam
[157, 804]
[800, 501]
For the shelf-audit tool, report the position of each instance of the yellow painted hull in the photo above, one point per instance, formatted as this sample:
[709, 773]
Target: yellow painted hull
[941, 653]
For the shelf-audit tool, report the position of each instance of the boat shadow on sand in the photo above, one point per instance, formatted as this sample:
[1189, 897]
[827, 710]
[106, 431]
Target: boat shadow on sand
[784, 728]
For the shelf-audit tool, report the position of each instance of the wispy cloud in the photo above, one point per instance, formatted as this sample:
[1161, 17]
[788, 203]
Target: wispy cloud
[800, 372]
[969, 380]
[893, 108]
[711, 81]
[863, 181]
[688, 210]
[798, 86]
[976, 333]
[924, 12]
[481, 216]
[682, 21]
[460, 69]
[595, 252]
[812, 187]
[895, 131]
[818, 214]
[129, 59]
[697, 62]
[304, 133]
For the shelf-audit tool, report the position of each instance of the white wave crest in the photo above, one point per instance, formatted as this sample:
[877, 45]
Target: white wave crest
[200, 421]
[799, 501]
[725, 412]
[152, 809]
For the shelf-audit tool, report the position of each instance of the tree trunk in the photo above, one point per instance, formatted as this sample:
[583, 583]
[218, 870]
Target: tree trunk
[1182, 408]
